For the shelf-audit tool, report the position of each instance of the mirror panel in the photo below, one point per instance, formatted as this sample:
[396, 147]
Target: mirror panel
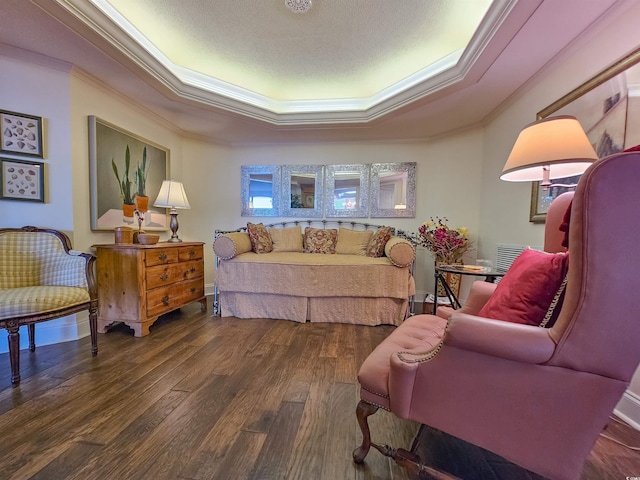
[393, 190]
[260, 190]
[302, 190]
[347, 191]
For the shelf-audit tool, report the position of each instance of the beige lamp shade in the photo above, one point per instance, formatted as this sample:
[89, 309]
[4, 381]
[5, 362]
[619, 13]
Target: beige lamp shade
[172, 195]
[553, 147]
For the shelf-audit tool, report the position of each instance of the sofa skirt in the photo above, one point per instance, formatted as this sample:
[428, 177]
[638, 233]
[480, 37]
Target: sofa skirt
[353, 310]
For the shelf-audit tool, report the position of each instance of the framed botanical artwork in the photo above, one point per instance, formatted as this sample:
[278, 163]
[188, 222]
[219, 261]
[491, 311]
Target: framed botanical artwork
[21, 134]
[608, 110]
[126, 172]
[22, 180]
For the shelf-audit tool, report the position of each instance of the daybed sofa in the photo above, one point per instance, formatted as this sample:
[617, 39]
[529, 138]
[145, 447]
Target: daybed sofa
[318, 271]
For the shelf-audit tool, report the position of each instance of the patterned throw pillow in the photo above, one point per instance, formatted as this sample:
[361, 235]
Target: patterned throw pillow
[319, 240]
[260, 239]
[378, 241]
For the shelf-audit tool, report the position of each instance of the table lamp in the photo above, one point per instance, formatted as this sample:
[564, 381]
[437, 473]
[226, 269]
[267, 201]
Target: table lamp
[554, 147]
[172, 196]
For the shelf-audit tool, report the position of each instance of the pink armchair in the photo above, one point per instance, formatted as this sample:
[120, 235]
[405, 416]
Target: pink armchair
[538, 397]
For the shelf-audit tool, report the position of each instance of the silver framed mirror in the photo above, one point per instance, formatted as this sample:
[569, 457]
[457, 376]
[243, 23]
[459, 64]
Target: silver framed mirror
[347, 191]
[393, 190]
[260, 190]
[302, 190]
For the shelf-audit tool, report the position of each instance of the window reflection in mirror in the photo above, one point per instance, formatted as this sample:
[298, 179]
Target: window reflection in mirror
[393, 190]
[260, 190]
[347, 191]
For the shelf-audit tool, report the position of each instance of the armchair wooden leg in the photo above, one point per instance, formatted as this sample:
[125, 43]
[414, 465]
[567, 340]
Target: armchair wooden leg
[32, 337]
[14, 353]
[93, 328]
[363, 411]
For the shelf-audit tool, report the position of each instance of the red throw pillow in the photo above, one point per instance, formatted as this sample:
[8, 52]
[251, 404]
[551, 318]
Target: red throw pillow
[526, 291]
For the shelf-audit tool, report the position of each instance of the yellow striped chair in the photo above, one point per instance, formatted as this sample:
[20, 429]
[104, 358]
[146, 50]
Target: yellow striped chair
[42, 278]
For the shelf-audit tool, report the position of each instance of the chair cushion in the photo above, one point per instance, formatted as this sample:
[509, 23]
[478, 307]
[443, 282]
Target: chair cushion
[18, 302]
[526, 291]
[260, 238]
[417, 334]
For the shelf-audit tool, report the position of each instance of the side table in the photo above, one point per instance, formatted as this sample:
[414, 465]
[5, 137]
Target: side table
[138, 283]
[489, 274]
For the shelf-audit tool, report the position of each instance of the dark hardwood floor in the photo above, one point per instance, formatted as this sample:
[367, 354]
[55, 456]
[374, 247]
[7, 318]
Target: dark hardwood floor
[210, 398]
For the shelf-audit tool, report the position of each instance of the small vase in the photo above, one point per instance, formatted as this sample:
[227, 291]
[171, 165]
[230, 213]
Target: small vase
[127, 210]
[142, 203]
[452, 279]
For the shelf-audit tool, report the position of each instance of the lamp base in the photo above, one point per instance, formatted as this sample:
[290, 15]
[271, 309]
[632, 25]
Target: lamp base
[173, 225]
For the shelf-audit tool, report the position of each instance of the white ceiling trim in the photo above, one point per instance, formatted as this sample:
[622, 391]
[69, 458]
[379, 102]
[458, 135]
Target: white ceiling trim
[112, 27]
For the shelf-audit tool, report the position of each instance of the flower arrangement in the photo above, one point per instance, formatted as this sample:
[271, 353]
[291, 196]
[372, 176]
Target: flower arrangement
[447, 245]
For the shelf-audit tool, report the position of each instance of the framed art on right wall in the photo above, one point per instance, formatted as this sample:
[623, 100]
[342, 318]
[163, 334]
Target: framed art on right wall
[609, 113]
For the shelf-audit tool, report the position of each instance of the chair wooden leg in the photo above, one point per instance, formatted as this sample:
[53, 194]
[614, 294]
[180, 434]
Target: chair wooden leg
[14, 353]
[32, 337]
[363, 411]
[93, 328]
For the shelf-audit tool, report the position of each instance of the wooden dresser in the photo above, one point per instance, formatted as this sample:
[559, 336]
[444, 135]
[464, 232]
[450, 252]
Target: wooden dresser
[138, 283]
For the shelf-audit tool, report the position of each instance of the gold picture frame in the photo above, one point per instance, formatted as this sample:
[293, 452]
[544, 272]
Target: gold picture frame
[602, 105]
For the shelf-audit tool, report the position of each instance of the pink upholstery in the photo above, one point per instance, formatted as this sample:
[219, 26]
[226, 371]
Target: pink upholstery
[538, 397]
[478, 295]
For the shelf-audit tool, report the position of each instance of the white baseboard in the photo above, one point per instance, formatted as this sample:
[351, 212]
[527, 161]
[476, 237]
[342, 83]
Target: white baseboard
[628, 409]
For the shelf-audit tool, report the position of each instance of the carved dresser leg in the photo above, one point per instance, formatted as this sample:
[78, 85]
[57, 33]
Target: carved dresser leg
[363, 411]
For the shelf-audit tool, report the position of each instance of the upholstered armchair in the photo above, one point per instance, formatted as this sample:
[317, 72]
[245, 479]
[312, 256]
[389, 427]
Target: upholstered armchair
[539, 397]
[554, 237]
[41, 279]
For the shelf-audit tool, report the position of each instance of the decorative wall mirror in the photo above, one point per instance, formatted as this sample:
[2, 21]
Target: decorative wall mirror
[347, 191]
[260, 186]
[393, 190]
[302, 190]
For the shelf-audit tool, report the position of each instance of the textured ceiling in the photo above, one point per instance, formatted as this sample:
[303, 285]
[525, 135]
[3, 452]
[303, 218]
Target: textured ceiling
[338, 49]
[262, 40]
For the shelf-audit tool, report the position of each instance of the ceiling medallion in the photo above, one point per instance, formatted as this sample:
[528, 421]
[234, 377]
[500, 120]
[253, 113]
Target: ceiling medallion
[298, 6]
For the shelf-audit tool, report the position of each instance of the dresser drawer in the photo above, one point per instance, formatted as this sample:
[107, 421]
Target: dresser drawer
[194, 252]
[161, 256]
[164, 299]
[161, 275]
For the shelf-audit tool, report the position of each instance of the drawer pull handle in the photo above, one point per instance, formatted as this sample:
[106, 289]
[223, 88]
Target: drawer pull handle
[164, 276]
[192, 290]
[162, 256]
[192, 269]
[192, 253]
[165, 300]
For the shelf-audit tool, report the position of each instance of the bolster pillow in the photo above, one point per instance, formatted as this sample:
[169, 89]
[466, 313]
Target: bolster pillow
[400, 252]
[229, 245]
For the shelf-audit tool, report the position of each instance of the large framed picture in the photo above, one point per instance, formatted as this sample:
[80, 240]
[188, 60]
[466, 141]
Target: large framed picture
[21, 180]
[126, 172]
[608, 113]
[21, 134]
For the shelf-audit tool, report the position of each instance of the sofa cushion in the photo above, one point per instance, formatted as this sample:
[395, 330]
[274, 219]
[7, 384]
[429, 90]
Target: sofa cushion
[526, 291]
[400, 251]
[378, 240]
[229, 245]
[25, 301]
[320, 240]
[286, 239]
[353, 242]
[260, 239]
